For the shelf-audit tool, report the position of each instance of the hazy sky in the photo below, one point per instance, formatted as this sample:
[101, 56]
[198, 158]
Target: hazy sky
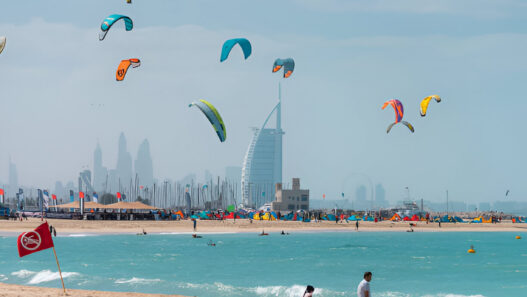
[59, 95]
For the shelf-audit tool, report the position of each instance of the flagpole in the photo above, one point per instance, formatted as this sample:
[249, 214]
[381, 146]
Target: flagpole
[60, 272]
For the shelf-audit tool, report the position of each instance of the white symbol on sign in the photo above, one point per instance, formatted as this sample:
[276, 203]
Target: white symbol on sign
[31, 240]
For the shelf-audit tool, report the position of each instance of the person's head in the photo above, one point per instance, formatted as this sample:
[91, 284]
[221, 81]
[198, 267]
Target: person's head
[310, 289]
[367, 276]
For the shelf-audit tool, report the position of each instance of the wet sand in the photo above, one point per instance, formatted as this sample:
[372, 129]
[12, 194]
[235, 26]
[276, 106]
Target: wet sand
[9, 290]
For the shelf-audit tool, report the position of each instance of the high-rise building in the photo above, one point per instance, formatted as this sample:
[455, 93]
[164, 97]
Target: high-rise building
[124, 162]
[13, 177]
[144, 167]
[99, 172]
[262, 165]
[380, 196]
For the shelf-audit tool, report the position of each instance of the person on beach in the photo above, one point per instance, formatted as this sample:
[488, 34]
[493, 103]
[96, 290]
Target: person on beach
[357, 225]
[363, 289]
[194, 222]
[309, 291]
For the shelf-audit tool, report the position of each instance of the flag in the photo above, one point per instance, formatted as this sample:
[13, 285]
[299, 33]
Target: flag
[45, 199]
[95, 197]
[54, 197]
[1, 195]
[118, 195]
[81, 195]
[34, 241]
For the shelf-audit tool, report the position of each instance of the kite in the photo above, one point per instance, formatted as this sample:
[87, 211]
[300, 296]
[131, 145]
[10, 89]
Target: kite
[213, 116]
[123, 67]
[426, 101]
[399, 113]
[288, 65]
[229, 44]
[109, 21]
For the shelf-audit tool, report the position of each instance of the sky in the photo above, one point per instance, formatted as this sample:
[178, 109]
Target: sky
[59, 96]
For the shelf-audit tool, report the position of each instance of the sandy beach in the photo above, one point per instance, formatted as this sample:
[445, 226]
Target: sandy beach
[68, 227]
[9, 290]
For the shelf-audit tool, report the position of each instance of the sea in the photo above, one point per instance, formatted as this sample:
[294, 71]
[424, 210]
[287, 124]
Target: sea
[431, 264]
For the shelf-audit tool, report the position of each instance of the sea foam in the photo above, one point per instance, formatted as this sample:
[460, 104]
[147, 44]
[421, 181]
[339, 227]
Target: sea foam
[136, 280]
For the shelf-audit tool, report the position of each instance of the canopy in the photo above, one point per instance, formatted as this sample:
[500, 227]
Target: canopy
[75, 204]
[128, 205]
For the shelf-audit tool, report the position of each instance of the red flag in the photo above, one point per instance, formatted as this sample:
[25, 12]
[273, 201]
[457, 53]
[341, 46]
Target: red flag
[119, 195]
[2, 192]
[54, 197]
[81, 195]
[34, 241]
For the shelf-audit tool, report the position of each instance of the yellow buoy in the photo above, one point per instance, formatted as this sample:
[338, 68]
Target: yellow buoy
[471, 251]
[518, 237]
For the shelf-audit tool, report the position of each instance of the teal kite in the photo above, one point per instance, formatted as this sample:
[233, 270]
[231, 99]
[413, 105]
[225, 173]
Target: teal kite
[288, 65]
[213, 116]
[109, 21]
[229, 44]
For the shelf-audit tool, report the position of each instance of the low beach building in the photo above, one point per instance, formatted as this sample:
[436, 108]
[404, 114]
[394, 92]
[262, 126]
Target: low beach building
[290, 199]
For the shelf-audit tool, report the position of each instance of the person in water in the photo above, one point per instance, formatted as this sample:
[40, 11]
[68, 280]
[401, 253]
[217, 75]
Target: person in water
[363, 289]
[309, 291]
[144, 232]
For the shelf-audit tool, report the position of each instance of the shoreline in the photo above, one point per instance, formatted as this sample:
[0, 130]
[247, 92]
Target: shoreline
[72, 228]
[13, 290]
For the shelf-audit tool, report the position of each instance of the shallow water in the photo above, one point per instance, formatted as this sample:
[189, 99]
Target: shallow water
[403, 264]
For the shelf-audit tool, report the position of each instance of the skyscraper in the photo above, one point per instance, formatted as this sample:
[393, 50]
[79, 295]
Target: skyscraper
[124, 162]
[13, 177]
[99, 171]
[262, 165]
[143, 165]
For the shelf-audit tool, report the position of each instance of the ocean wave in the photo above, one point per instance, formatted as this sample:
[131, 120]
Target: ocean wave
[221, 289]
[3, 277]
[23, 273]
[137, 280]
[48, 275]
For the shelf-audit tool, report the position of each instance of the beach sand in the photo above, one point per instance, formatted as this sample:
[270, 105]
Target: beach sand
[9, 290]
[71, 227]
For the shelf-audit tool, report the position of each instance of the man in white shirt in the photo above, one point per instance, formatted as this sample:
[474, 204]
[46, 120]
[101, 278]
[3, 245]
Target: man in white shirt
[363, 290]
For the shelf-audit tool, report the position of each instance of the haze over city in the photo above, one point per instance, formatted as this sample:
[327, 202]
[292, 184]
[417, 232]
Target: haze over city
[62, 99]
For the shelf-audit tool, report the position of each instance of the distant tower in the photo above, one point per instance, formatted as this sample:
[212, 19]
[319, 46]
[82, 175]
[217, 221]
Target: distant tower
[99, 171]
[13, 177]
[262, 165]
[124, 163]
[143, 165]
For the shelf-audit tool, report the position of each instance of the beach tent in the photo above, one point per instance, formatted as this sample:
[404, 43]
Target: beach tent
[129, 205]
[75, 204]
[458, 219]
[256, 216]
[415, 218]
[368, 219]
[353, 218]
[331, 217]
[406, 219]
[396, 217]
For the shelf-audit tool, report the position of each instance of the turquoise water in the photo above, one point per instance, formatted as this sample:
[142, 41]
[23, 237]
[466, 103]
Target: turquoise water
[403, 264]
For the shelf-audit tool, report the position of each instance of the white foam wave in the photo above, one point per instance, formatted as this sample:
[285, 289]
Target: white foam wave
[136, 280]
[3, 277]
[23, 273]
[48, 275]
[80, 235]
[453, 295]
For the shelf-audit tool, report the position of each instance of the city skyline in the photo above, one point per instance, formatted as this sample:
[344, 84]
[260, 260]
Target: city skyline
[348, 62]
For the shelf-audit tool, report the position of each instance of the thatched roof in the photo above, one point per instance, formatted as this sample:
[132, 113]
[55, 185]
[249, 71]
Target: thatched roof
[75, 204]
[129, 205]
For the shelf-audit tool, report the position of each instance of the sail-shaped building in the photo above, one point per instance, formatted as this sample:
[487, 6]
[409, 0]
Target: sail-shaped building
[262, 165]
